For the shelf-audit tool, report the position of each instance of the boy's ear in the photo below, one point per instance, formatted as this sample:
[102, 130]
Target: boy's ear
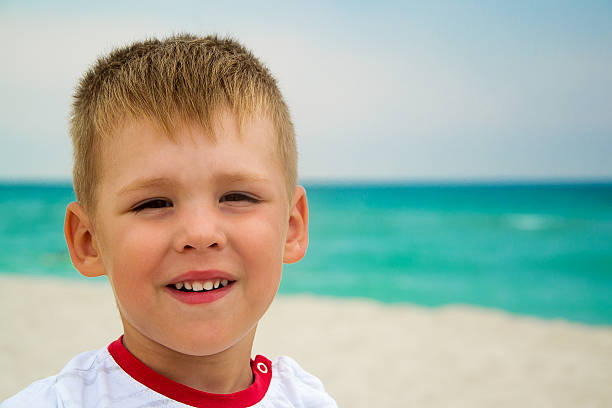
[297, 234]
[78, 230]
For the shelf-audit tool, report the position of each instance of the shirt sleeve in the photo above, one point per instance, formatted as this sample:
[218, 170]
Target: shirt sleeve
[41, 394]
[301, 387]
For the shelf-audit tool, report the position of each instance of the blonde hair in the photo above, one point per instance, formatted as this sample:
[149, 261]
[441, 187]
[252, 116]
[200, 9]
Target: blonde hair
[172, 81]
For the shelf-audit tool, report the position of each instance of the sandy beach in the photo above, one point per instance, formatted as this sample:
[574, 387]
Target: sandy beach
[366, 353]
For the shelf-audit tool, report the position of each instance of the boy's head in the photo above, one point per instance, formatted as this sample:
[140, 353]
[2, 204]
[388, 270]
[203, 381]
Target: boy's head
[185, 174]
[182, 79]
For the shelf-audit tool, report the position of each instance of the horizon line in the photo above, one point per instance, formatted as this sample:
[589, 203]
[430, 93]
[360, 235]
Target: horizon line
[483, 181]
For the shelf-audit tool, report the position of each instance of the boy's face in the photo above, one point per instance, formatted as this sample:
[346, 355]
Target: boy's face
[188, 211]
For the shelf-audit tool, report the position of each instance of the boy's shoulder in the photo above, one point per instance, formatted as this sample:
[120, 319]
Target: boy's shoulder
[58, 390]
[90, 379]
[95, 379]
[292, 386]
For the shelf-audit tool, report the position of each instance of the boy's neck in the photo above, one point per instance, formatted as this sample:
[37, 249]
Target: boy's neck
[223, 373]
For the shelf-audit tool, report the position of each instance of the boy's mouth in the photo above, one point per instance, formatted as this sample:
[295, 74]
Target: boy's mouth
[200, 285]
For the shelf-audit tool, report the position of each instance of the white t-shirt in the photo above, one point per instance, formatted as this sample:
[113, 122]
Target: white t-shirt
[113, 377]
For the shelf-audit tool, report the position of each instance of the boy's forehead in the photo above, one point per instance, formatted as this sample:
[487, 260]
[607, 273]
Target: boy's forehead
[133, 135]
[223, 123]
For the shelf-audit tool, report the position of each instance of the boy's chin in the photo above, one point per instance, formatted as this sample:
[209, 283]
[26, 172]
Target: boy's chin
[191, 343]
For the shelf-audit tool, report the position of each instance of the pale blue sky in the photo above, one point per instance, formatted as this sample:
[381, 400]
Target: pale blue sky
[419, 91]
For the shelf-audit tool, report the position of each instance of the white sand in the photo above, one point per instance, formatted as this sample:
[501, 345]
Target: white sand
[367, 354]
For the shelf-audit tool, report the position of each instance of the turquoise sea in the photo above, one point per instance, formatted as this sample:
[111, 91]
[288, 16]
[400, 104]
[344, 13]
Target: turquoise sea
[538, 249]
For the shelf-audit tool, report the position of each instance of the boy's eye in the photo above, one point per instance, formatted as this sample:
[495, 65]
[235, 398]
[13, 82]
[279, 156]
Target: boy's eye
[238, 197]
[154, 203]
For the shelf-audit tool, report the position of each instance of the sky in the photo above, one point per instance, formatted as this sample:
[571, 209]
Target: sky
[378, 91]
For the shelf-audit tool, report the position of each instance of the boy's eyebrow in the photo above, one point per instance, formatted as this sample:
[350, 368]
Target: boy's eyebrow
[237, 177]
[143, 184]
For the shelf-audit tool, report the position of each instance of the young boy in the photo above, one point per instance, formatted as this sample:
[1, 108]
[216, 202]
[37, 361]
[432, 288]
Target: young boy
[185, 176]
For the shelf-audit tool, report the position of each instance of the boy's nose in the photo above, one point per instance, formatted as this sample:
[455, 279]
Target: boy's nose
[199, 230]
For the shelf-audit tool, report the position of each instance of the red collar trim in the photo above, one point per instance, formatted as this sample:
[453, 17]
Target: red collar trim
[261, 366]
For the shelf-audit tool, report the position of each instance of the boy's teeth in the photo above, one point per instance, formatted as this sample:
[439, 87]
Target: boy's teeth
[198, 286]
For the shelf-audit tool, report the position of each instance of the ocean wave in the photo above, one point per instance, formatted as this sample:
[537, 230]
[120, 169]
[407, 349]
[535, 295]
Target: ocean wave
[529, 222]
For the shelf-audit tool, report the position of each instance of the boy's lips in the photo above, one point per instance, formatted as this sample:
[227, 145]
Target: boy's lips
[206, 275]
[196, 287]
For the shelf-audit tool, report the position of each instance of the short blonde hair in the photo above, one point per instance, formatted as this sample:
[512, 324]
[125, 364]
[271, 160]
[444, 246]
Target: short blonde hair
[179, 79]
